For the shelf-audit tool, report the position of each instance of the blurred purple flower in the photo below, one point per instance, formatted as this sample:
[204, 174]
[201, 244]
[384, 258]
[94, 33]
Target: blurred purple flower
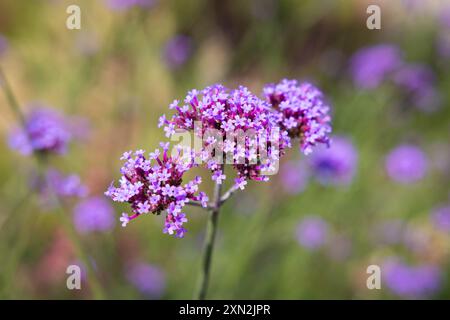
[335, 165]
[444, 18]
[177, 51]
[370, 66]
[294, 176]
[121, 5]
[441, 218]
[406, 164]
[93, 214]
[64, 185]
[56, 184]
[418, 83]
[148, 279]
[46, 131]
[312, 232]
[3, 45]
[412, 282]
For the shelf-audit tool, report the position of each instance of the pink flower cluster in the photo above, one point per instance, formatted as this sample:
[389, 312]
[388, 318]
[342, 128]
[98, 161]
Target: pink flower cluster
[303, 112]
[154, 185]
[235, 127]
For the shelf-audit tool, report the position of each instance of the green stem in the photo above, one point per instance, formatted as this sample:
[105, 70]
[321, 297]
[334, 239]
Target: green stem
[10, 97]
[210, 236]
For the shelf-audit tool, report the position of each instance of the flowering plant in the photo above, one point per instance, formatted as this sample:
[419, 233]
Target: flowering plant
[235, 127]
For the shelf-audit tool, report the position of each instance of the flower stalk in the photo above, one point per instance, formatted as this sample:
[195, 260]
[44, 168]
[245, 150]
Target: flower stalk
[210, 236]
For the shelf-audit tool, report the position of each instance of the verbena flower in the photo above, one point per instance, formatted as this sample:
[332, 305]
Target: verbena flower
[219, 115]
[441, 218]
[406, 164]
[65, 185]
[46, 131]
[303, 112]
[335, 165]
[177, 51]
[370, 66]
[154, 184]
[312, 232]
[443, 37]
[408, 281]
[93, 214]
[148, 279]
[418, 83]
[294, 176]
[57, 184]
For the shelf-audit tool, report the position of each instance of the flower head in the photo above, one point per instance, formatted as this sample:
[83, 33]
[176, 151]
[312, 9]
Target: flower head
[418, 84]
[64, 185]
[336, 164]
[294, 176]
[312, 232]
[370, 66]
[441, 218]
[148, 279]
[406, 164]
[303, 112]
[93, 214]
[177, 51]
[46, 131]
[410, 281]
[154, 185]
[237, 128]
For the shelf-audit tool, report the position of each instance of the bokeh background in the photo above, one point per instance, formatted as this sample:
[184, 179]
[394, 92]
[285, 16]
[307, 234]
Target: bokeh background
[309, 233]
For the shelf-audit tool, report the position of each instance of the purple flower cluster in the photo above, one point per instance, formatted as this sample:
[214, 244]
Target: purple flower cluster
[335, 165]
[406, 164]
[154, 185]
[55, 183]
[412, 282]
[312, 232]
[65, 185]
[93, 214]
[177, 50]
[225, 114]
[148, 279]
[441, 218]
[235, 127]
[370, 66]
[303, 113]
[443, 38]
[418, 83]
[294, 176]
[46, 131]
